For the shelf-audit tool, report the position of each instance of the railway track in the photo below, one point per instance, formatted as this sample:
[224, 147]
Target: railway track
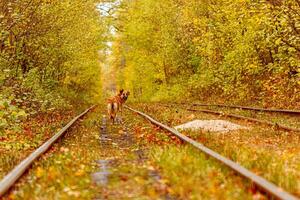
[262, 183]
[11, 178]
[250, 119]
[248, 108]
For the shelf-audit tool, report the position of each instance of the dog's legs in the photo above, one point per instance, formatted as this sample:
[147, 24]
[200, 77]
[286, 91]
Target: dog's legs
[121, 111]
[111, 111]
[116, 108]
[112, 120]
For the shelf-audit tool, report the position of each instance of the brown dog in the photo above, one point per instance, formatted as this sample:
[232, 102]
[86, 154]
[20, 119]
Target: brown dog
[115, 104]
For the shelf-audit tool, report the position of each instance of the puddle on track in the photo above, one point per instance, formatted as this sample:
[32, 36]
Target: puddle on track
[101, 177]
[123, 162]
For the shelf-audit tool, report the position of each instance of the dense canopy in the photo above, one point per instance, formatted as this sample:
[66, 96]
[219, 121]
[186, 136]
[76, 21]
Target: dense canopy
[238, 51]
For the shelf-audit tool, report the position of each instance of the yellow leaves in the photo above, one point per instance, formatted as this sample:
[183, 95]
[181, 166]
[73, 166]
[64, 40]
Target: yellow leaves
[67, 80]
[292, 49]
[69, 46]
[151, 192]
[12, 196]
[196, 39]
[51, 174]
[71, 192]
[191, 117]
[252, 66]
[196, 21]
[39, 172]
[278, 41]
[236, 42]
[139, 180]
[80, 172]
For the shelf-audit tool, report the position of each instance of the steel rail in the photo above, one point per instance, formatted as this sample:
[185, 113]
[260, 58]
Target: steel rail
[262, 183]
[283, 127]
[280, 126]
[9, 180]
[250, 108]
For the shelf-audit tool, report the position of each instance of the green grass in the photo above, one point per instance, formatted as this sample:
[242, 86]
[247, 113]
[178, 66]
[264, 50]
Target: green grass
[275, 168]
[271, 153]
[64, 171]
[188, 172]
[185, 173]
[194, 176]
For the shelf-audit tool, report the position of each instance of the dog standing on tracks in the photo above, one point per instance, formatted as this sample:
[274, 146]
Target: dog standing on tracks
[115, 104]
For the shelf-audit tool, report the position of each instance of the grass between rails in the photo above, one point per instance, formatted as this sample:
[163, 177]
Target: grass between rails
[131, 175]
[65, 172]
[144, 163]
[270, 153]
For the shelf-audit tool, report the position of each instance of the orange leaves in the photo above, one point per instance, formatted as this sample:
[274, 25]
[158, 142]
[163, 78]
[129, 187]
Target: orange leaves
[52, 173]
[155, 135]
[191, 117]
[64, 149]
[80, 172]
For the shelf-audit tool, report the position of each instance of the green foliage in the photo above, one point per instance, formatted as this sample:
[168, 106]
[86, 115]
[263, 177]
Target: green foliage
[51, 45]
[9, 113]
[230, 50]
[169, 93]
[49, 56]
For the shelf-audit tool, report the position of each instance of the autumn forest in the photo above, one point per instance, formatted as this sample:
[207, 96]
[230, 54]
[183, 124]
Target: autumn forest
[173, 60]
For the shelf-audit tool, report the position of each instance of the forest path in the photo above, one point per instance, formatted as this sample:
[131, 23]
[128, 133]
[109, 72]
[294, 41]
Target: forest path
[94, 160]
[131, 159]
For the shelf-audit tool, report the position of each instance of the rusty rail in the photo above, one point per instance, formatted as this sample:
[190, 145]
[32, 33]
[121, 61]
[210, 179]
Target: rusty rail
[262, 183]
[250, 108]
[251, 119]
[280, 126]
[9, 180]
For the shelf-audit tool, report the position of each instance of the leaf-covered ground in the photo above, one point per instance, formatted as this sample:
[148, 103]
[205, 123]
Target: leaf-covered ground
[271, 153]
[17, 144]
[131, 160]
